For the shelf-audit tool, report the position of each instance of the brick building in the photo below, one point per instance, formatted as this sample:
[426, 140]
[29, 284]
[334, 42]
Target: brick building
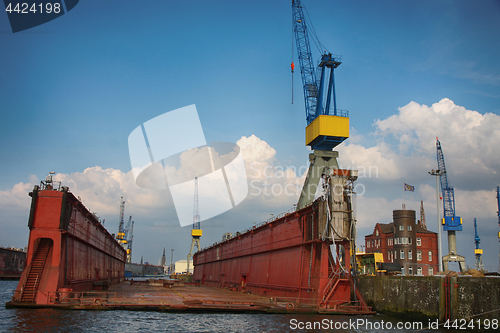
[405, 242]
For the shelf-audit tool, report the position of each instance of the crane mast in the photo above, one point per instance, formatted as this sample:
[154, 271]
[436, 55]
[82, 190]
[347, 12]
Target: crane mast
[450, 221]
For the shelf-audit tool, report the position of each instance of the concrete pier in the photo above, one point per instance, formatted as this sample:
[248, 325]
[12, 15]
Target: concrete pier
[433, 296]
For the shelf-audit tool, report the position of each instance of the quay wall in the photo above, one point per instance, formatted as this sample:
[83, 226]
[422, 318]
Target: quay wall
[436, 297]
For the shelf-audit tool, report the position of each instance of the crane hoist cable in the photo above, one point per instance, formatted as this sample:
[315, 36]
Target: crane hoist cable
[321, 48]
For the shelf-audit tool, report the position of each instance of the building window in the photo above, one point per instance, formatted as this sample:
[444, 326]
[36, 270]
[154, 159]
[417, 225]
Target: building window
[401, 228]
[410, 255]
[376, 232]
[405, 240]
[396, 255]
[410, 240]
[419, 242]
[419, 270]
[430, 255]
[410, 270]
[409, 228]
[401, 254]
[419, 255]
[431, 271]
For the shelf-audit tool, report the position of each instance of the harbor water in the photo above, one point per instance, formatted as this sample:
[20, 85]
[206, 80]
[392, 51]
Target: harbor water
[52, 320]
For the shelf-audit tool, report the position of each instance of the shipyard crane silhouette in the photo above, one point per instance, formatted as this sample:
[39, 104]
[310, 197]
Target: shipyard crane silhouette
[327, 126]
[450, 221]
[477, 251]
[422, 215]
[196, 232]
[125, 234]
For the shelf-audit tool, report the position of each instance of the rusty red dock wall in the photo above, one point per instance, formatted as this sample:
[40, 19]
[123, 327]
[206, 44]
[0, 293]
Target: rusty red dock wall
[285, 258]
[68, 249]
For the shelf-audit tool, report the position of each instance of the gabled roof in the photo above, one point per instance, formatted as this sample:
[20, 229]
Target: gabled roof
[423, 231]
[386, 227]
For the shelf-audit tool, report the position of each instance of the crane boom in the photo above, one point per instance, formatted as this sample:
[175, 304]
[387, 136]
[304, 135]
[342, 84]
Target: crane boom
[307, 71]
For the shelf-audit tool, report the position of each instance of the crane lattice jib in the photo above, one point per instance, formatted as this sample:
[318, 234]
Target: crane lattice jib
[121, 232]
[306, 62]
[196, 206]
[477, 240]
[448, 191]
[127, 229]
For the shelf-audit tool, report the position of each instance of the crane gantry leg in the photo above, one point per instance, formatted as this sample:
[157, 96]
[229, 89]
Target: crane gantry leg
[452, 252]
[319, 161]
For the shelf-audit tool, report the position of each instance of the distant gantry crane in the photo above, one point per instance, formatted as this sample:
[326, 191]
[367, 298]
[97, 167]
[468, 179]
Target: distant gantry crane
[450, 221]
[196, 232]
[125, 234]
[478, 252]
[422, 215]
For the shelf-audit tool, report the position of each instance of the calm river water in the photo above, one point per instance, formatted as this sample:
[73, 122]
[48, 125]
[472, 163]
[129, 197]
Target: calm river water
[49, 320]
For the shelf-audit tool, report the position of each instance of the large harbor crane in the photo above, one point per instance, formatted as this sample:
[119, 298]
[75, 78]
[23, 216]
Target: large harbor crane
[327, 126]
[477, 251]
[450, 221]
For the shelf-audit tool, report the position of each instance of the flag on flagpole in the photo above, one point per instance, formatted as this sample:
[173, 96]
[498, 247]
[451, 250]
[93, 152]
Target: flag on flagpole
[409, 188]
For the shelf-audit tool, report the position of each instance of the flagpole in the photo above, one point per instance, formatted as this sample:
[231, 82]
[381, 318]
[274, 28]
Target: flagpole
[404, 192]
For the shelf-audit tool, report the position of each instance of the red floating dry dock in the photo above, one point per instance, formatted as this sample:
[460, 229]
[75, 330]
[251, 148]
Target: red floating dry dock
[283, 266]
[289, 259]
[68, 249]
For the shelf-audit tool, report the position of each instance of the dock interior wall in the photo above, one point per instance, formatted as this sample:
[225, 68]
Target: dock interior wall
[284, 259]
[81, 250]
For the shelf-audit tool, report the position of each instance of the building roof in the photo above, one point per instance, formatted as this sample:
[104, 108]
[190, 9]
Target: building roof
[387, 228]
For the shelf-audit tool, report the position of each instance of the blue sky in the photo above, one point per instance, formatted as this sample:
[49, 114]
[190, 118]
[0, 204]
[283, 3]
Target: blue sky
[73, 89]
